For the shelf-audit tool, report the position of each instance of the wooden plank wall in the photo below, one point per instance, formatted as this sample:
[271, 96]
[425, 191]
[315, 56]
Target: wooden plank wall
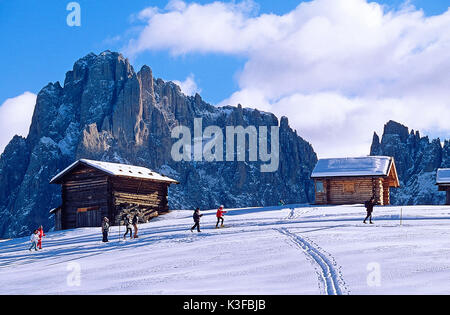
[321, 197]
[84, 188]
[149, 196]
[364, 189]
[142, 192]
[386, 193]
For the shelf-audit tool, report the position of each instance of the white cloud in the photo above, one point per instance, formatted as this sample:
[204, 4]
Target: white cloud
[15, 117]
[339, 69]
[189, 86]
[183, 28]
[176, 5]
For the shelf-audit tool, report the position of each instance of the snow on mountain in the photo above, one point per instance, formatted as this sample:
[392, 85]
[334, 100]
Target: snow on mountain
[417, 160]
[107, 111]
[298, 250]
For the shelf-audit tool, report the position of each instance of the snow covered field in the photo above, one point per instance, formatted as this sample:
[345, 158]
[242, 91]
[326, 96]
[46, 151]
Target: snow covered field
[306, 250]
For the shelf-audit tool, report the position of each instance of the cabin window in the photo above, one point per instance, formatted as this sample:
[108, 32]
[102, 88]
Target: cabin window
[349, 187]
[319, 187]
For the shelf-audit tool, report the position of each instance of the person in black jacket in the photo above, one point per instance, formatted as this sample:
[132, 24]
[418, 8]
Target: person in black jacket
[369, 208]
[196, 217]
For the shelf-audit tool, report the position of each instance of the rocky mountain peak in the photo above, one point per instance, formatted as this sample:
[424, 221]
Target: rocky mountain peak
[394, 129]
[284, 122]
[417, 159]
[106, 111]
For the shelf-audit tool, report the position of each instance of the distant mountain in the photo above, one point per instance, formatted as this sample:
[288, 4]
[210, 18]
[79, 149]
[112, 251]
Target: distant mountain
[417, 159]
[107, 111]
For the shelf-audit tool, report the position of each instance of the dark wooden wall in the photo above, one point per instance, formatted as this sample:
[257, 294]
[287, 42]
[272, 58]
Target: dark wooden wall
[84, 188]
[88, 195]
[58, 222]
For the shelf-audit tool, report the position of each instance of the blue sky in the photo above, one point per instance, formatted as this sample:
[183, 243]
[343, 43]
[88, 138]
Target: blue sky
[39, 47]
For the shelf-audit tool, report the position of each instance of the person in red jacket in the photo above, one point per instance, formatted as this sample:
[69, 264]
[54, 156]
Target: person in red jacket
[41, 235]
[219, 215]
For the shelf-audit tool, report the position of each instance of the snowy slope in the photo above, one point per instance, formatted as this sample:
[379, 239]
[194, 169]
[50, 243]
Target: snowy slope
[306, 250]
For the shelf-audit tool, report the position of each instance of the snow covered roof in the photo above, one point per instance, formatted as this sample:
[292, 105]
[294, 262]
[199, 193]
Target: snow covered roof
[115, 169]
[359, 166]
[443, 176]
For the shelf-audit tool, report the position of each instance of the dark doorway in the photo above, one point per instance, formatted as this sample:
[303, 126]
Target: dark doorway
[89, 217]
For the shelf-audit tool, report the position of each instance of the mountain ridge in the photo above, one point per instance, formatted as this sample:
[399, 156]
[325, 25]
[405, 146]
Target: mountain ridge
[107, 111]
[417, 159]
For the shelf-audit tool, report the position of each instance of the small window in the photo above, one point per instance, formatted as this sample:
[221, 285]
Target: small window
[319, 187]
[349, 187]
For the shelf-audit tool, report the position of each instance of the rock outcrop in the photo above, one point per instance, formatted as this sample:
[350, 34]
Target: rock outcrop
[107, 111]
[417, 159]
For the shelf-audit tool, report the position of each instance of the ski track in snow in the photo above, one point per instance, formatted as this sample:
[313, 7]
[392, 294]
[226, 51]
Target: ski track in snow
[330, 279]
[260, 253]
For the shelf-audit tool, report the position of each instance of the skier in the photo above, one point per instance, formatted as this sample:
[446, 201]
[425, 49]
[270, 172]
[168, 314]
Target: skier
[369, 208]
[219, 215]
[105, 229]
[128, 227]
[34, 240]
[196, 217]
[135, 222]
[41, 235]
[280, 203]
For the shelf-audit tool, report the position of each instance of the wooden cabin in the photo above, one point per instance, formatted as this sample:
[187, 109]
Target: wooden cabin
[355, 180]
[443, 182]
[92, 190]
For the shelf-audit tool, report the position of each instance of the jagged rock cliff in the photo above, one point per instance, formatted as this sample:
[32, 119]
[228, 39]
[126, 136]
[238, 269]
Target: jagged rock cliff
[107, 111]
[417, 159]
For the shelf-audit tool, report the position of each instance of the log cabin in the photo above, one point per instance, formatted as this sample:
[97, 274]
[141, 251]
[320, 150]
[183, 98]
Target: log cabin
[92, 190]
[354, 180]
[443, 182]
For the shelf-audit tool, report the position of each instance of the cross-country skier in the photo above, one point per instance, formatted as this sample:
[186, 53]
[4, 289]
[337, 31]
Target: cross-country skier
[219, 215]
[34, 240]
[128, 227]
[196, 217]
[105, 229]
[41, 235]
[135, 222]
[369, 208]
